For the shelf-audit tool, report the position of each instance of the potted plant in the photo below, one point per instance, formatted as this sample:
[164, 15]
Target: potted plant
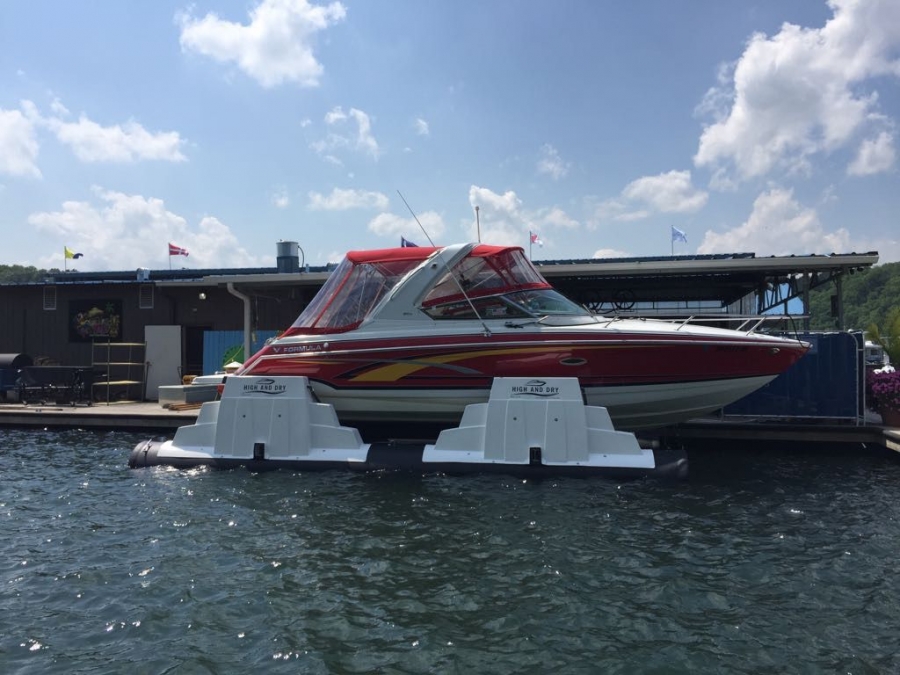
[884, 395]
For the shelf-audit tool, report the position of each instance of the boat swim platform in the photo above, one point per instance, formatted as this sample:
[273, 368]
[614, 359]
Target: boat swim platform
[150, 416]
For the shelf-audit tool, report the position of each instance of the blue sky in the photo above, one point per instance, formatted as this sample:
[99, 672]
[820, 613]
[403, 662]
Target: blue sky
[224, 127]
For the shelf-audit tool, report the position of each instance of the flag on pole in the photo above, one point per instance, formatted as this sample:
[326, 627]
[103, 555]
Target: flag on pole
[71, 255]
[535, 239]
[177, 250]
[406, 243]
[678, 235]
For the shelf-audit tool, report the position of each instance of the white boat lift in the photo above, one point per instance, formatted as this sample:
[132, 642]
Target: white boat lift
[528, 426]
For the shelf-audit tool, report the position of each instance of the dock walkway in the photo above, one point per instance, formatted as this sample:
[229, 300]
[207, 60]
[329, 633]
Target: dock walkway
[126, 416]
[151, 416]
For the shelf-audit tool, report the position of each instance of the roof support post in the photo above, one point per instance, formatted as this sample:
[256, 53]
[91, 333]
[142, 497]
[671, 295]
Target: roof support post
[247, 328]
[839, 292]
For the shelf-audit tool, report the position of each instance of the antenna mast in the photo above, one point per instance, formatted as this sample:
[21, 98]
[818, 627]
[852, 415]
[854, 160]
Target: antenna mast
[478, 224]
[487, 331]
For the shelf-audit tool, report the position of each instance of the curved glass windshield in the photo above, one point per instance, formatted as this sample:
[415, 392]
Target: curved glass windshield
[485, 275]
[546, 302]
[516, 305]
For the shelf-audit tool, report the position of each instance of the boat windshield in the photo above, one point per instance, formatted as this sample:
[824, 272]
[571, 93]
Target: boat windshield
[490, 272]
[499, 281]
[533, 303]
[499, 285]
[351, 291]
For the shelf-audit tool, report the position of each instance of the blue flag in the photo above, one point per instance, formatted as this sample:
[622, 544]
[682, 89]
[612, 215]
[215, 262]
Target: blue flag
[678, 235]
[404, 243]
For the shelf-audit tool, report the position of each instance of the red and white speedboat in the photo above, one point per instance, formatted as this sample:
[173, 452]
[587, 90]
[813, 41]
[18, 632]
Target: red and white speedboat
[415, 334]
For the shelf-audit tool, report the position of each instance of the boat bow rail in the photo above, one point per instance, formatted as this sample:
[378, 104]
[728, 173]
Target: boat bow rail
[748, 324]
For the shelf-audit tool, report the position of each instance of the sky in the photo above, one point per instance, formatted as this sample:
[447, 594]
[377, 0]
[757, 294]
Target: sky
[224, 127]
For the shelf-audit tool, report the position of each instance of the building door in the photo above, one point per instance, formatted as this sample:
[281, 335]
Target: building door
[193, 349]
[163, 356]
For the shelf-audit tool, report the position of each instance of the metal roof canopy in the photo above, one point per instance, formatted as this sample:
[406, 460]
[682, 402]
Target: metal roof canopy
[723, 278]
[719, 278]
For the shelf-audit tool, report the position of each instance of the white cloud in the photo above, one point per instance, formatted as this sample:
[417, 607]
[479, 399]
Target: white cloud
[632, 216]
[671, 192]
[555, 217]
[502, 220]
[129, 142]
[18, 145]
[362, 140]
[421, 127]
[609, 253]
[888, 250]
[385, 224]
[778, 225]
[505, 221]
[551, 163]
[274, 48]
[798, 93]
[875, 156]
[129, 231]
[342, 200]
[58, 108]
[89, 141]
[281, 199]
[335, 115]
[508, 203]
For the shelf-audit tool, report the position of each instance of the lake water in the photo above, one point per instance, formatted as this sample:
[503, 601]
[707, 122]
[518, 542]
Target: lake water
[761, 562]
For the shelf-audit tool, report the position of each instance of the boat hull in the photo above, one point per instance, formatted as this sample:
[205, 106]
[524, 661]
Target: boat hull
[643, 380]
[630, 407]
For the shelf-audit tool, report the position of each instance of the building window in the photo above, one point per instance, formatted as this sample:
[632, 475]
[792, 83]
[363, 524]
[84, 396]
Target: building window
[50, 297]
[145, 296]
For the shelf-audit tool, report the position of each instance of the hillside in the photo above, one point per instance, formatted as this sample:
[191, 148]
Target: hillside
[869, 298]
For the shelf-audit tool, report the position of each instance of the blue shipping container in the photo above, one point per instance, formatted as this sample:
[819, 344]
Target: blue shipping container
[828, 382]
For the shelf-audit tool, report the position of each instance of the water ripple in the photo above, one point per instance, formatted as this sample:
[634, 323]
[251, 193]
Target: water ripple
[760, 562]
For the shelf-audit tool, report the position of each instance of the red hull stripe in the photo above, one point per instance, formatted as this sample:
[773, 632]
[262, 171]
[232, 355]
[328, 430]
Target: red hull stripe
[595, 364]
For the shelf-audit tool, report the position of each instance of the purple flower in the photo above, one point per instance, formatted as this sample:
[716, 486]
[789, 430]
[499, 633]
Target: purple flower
[884, 389]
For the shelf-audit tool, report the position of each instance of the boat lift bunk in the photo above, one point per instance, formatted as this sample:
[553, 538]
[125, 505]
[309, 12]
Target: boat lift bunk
[530, 427]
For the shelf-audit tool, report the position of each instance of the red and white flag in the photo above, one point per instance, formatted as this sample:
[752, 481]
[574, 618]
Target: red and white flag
[535, 239]
[177, 250]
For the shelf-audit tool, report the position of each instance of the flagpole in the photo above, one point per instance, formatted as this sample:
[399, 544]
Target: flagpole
[65, 261]
[530, 244]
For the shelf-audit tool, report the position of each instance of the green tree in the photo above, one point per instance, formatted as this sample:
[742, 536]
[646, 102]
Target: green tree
[870, 297]
[19, 274]
[889, 337]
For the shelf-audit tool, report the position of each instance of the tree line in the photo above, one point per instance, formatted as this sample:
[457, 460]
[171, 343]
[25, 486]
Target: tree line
[20, 274]
[871, 303]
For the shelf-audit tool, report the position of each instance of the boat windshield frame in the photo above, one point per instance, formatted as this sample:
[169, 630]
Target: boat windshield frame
[497, 271]
[352, 291]
[499, 281]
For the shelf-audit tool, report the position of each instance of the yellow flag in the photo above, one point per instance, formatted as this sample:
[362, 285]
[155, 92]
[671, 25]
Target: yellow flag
[71, 254]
